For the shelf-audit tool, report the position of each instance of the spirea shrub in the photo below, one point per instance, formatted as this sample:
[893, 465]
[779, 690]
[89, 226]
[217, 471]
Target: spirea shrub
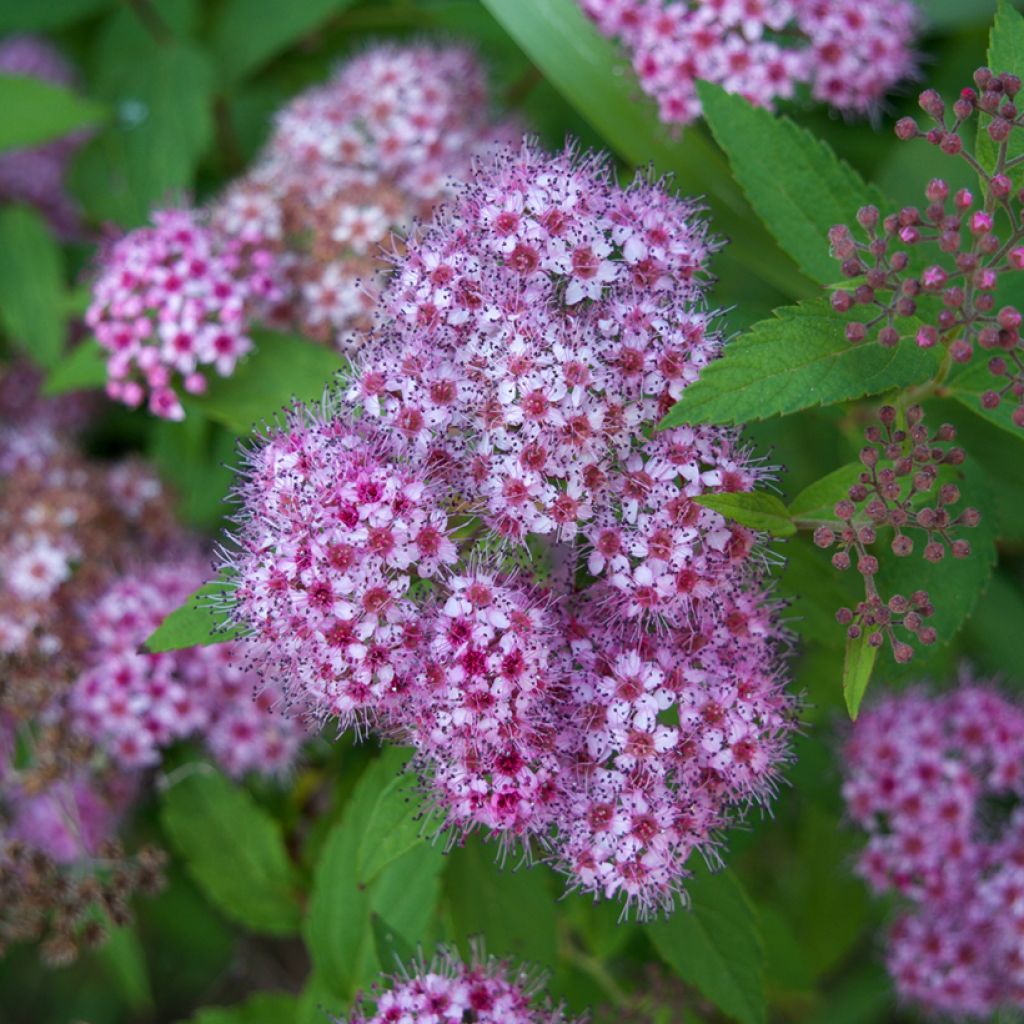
[482, 548]
[848, 54]
[936, 780]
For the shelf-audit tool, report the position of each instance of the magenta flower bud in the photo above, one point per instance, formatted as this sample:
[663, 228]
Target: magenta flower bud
[963, 199]
[982, 77]
[998, 130]
[931, 103]
[906, 128]
[867, 217]
[888, 337]
[961, 350]
[1001, 186]
[855, 332]
[988, 337]
[909, 235]
[962, 109]
[1009, 317]
[951, 144]
[824, 537]
[1011, 83]
[953, 297]
[980, 222]
[937, 190]
[997, 366]
[986, 279]
[990, 400]
[933, 278]
[1018, 416]
[1015, 258]
[842, 301]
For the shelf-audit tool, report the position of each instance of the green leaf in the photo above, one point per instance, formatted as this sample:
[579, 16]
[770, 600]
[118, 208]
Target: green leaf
[233, 849]
[262, 1008]
[37, 111]
[17, 16]
[513, 909]
[149, 153]
[857, 668]
[124, 959]
[968, 387]
[816, 502]
[795, 182]
[31, 285]
[1005, 53]
[715, 945]
[394, 827]
[283, 367]
[757, 509]
[197, 623]
[247, 33]
[338, 927]
[797, 359]
[83, 367]
[392, 949]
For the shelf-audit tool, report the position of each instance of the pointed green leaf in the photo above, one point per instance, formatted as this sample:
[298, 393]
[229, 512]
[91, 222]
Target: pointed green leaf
[404, 892]
[797, 359]
[715, 945]
[31, 285]
[757, 509]
[816, 502]
[36, 111]
[197, 623]
[282, 368]
[857, 667]
[232, 849]
[968, 387]
[149, 153]
[795, 182]
[83, 367]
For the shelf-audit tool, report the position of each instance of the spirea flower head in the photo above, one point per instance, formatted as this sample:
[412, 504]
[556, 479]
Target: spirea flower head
[968, 248]
[350, 162]
[35, 175]
[449, 991]
[849, 53]
[532, 327]
[925, 775]
[334, 530]
[133, 704]
[486, 699]
[171, 302]
[574, 603]
[666, 739]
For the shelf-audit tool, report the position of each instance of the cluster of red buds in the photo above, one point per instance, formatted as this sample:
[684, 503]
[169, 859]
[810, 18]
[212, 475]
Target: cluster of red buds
[972, 241]
[901, 489]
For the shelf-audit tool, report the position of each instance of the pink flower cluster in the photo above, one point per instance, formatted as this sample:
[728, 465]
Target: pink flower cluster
[171, 300]
[849, 52]
[485, 551]
[449, 991]
[533, 330]
[937, 783]
[134, 704]
[36, 175]
[350, 162]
